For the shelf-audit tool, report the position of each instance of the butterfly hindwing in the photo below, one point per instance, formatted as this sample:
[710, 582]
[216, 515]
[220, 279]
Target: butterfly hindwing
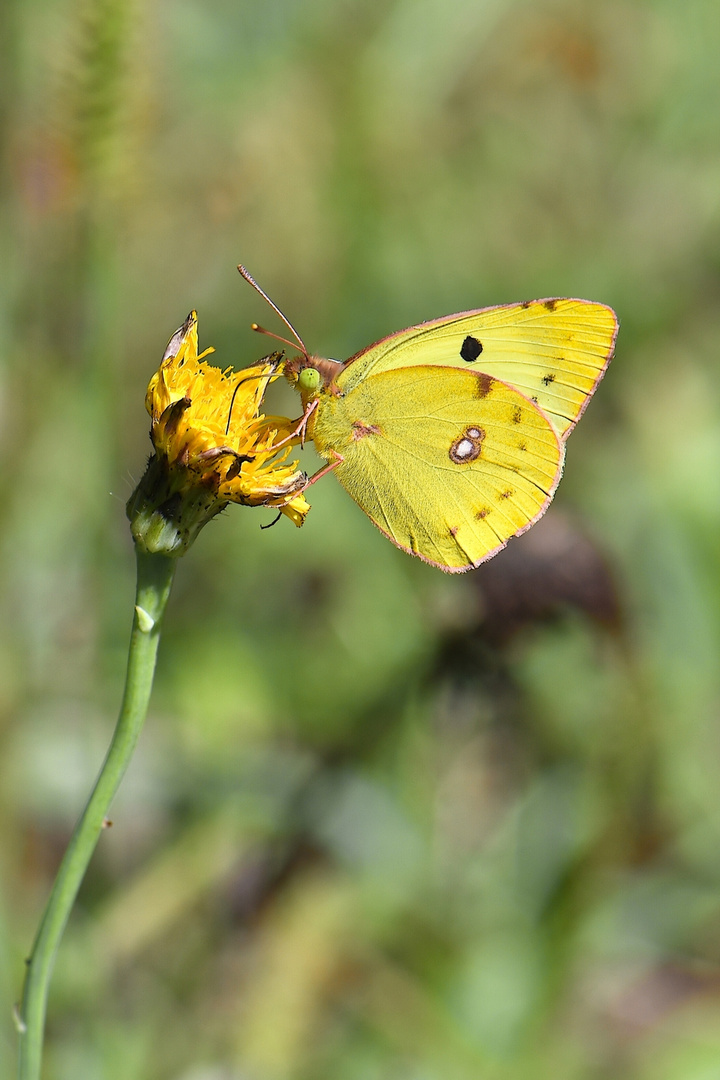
[553, 351]
[448, 463]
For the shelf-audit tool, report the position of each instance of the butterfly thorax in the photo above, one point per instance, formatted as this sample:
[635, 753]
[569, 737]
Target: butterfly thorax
[313, 377]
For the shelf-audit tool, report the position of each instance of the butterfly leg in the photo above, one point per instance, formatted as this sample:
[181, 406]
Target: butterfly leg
[309, 410]
[338, 460]
[301, 429]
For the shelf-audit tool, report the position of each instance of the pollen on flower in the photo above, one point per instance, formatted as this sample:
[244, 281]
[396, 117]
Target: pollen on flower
[213, 446]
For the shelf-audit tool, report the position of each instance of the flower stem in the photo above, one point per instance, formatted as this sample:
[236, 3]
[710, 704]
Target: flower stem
[154, 580]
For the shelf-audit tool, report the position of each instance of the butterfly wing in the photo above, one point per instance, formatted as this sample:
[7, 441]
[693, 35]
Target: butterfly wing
[554, 351]
[448, 464]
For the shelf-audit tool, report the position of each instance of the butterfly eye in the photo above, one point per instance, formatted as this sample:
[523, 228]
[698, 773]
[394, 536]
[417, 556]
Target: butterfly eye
[309, 379]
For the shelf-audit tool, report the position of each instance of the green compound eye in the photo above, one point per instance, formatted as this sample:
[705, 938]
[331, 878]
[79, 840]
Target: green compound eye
[309, 379]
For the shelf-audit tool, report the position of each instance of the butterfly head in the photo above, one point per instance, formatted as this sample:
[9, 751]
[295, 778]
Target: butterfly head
[311, 375]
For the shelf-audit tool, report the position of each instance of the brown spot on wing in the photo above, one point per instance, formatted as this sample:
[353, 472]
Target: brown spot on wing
[453, 531]
[361, 430]
[550, 304]
[517, 414]
[549, 378]
[507, 494]
[483, 513]
[485, 383]
[526, 304]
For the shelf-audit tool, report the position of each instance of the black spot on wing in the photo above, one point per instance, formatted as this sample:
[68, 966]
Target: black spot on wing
[549, 378]
[470, 349]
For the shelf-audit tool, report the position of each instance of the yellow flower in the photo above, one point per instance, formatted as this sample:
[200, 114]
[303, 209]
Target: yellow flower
[212, 447]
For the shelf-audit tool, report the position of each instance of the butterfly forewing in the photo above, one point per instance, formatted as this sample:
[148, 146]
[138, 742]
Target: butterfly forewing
[449, 464]
[553, 351]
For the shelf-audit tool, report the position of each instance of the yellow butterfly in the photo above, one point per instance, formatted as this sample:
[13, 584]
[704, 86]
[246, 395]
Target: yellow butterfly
[451, 435]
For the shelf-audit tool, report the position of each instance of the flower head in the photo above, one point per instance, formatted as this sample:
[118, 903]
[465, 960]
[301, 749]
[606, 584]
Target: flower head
[212, 447]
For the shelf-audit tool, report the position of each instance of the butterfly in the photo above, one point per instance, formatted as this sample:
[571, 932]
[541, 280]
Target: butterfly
[450, 435]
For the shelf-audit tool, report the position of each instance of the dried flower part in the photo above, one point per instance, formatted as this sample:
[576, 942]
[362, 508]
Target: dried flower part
[212, 447]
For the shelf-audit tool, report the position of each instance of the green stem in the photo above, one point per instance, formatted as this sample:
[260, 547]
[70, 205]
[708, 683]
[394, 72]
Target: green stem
[154, 580]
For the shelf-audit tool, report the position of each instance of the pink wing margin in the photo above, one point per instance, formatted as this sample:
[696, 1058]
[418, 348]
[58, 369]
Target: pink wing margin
[544, 302]
[503, 543]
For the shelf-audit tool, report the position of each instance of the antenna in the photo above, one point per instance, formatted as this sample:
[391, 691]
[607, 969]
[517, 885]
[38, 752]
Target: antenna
[261, 330]
[247, 378]
[251, 281]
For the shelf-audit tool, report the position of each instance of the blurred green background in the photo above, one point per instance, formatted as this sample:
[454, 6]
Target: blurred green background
[383, 824]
